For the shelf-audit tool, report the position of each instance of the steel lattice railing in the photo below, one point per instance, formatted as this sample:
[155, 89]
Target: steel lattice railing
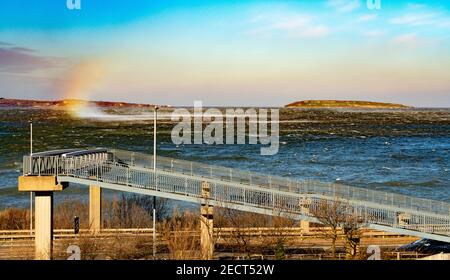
[250, 191]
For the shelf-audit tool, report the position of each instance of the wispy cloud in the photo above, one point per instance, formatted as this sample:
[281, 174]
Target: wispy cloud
[415, 6]
[432, 20]
[409, 40]
[344, 6]
[368, 17]
[421, 15]
[415, 19]
[23, 60]
[293, 25]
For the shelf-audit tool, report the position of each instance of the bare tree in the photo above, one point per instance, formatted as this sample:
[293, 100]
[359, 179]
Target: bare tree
[339, 217]
[351, 228]
[280, 238]
[181, 232]
[239, 223]
[332, 215]
[132, 211]
[241, 226]
[146, 202]
[14, 218]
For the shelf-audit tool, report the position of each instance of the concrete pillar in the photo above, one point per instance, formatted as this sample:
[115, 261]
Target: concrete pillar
[305, 203]
[43, 225]
[95, 209]
[43, 187]
[206, 225]
[304, 225]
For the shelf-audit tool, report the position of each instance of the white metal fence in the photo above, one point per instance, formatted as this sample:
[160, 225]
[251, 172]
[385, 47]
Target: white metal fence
[247, 189]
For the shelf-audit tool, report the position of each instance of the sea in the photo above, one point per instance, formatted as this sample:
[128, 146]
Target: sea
[403, 151]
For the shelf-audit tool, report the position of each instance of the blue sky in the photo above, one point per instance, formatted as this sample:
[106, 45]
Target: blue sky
[226, 52]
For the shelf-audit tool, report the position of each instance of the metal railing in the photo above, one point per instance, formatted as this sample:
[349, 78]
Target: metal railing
[282, 184]
[224, 232]
[250, 191]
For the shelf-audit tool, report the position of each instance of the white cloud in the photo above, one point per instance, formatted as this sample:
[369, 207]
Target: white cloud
[301, 26]
[415, 19]
[344, 6]
[409, 40]
[421, 15]
[293, 25]
[311, 31]
[368, 17]
[415, 6]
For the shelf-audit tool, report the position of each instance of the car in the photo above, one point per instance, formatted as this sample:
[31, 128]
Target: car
[426, 246]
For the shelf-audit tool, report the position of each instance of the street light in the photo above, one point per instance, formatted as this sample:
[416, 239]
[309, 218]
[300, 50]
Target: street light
[155, 117]
[31, 171]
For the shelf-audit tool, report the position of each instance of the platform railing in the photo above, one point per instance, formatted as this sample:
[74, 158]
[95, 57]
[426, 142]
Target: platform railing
[284, 184]
[271, 193]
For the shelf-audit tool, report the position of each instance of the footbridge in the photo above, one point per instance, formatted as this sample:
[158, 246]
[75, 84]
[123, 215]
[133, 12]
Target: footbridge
[213, 186]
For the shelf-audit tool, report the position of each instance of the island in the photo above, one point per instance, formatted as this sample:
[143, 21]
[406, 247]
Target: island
[344, 104]
[5, 102]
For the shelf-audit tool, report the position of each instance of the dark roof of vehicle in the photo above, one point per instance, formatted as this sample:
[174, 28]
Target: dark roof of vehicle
[426, 246]
[84, 152]
[54, 152]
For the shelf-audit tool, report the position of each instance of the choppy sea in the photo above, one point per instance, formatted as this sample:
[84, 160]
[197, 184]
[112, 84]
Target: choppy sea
[404, 151]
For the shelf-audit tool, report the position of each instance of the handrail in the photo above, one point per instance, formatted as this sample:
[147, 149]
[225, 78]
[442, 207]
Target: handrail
[246, 189]
[280, 183]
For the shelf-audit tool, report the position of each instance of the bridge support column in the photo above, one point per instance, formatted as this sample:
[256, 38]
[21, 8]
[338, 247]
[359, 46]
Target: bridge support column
[43, 225]
[304, 225]
[43, 187]
[206, 225]
[95, 209]
[304, 205]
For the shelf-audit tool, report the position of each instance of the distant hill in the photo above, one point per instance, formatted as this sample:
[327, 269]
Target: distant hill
[4, 102]
[343, 104]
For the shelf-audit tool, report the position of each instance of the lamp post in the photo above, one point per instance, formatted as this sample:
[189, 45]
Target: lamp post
[155, 117]
[31, 172]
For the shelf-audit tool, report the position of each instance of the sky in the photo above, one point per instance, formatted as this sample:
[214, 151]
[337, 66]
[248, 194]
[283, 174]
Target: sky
[226, 53]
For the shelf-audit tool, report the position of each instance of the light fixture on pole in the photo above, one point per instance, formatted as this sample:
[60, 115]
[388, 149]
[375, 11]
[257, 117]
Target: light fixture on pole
[155, 117]
[31, 171]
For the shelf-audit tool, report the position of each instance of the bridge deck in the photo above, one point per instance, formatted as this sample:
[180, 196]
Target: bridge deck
[243, 190]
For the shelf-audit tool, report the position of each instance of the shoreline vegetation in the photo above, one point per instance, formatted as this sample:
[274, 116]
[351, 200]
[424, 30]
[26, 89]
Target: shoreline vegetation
[179, 233]
[179, 230]
[345, 104]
